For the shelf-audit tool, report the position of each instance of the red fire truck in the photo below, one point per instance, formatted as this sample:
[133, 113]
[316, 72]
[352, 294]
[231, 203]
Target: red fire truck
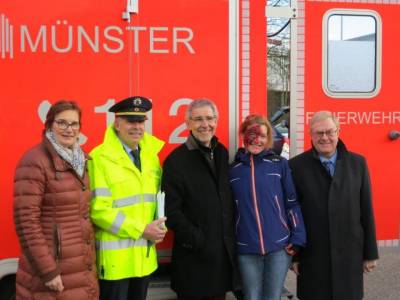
[342, 58]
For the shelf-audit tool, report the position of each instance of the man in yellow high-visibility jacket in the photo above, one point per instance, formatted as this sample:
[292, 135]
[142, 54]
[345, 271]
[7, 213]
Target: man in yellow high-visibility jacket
[125, 177]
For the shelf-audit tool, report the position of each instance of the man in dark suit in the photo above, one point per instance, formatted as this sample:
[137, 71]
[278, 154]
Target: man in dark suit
[333, 188]
[199, 209]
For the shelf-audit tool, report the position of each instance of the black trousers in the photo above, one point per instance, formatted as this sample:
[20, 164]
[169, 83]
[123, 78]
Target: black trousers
[124, 289]
[217, 297]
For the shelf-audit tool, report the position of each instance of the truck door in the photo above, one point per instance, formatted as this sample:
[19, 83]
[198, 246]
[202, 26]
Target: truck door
[347, 63]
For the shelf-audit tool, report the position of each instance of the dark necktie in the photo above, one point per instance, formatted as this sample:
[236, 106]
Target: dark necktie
[329, 167]
[136, 156]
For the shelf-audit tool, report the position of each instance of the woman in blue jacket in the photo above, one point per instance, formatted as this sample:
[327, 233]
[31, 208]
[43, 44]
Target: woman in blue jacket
[269, 224]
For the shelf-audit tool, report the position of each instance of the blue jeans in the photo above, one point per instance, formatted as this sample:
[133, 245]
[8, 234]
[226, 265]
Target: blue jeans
[263, 276]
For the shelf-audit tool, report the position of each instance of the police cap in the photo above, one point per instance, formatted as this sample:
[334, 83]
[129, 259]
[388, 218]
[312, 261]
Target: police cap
[132, 108]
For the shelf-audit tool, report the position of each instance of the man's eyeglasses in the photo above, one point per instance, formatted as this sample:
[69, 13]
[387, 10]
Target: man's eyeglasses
[63, 125]
[208, 119]
[328, 133]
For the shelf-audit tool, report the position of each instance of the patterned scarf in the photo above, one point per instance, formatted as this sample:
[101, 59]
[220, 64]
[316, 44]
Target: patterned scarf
[75, 156]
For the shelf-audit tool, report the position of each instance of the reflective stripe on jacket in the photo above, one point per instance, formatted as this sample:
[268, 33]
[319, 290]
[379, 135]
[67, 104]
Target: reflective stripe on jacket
[123, 203]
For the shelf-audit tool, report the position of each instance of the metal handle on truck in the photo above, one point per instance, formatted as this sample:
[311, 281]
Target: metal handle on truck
[394, 135]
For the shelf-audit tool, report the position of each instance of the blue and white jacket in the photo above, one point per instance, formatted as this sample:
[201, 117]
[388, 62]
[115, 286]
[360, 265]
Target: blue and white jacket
[268, 216]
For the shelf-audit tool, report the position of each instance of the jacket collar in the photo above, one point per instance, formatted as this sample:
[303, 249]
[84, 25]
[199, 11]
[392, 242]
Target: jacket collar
[243, 156]
[60, 165]
[115, 150]
[192, 143]
[340, 148]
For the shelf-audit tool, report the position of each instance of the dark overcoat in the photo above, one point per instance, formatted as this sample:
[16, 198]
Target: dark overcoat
[339, 223]
[199, 210]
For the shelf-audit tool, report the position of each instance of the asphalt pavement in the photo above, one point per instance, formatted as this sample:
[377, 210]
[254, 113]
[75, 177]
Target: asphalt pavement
[381, 284]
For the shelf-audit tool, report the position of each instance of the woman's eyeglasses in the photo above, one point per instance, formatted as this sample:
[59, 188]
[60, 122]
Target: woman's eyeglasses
[63, 125]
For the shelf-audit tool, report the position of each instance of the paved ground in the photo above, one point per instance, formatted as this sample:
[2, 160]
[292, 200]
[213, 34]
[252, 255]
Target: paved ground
[382, 284]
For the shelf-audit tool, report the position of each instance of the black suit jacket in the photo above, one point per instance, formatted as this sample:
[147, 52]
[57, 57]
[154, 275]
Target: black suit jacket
[199, 210]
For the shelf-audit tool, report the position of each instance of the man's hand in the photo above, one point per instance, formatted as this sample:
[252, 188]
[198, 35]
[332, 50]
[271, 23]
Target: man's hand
[55, 284]
[155, 231]
[295, 268]
[369, 265]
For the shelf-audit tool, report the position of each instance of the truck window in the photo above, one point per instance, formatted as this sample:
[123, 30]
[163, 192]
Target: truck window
[351, 53]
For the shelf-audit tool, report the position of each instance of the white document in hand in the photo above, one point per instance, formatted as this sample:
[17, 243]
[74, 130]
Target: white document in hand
[160, 205]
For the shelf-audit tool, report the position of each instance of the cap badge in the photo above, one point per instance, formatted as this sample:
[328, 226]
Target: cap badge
[137, 101]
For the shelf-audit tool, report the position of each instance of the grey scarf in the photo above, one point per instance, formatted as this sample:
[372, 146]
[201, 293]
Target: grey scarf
[75, 156]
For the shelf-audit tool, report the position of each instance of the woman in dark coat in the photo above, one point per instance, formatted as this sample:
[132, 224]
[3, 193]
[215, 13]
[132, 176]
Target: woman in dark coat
[51, 214]
[338, 215]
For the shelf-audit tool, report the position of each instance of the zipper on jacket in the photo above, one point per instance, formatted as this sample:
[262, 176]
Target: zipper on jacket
[253, 186]
[57, 242]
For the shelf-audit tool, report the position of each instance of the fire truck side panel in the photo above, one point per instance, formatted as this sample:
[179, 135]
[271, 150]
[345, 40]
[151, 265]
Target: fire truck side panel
[365, 122]
[170, 51]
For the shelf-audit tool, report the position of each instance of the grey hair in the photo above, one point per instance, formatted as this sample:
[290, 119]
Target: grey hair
[200, 103]
[324, 115]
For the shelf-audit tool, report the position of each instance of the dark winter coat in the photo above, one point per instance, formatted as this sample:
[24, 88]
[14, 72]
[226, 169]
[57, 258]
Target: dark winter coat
[51, 215]
[268, 215]
[199, 210]
[339, 222]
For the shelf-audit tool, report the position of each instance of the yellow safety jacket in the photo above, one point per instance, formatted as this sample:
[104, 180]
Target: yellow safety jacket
[123, 203]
